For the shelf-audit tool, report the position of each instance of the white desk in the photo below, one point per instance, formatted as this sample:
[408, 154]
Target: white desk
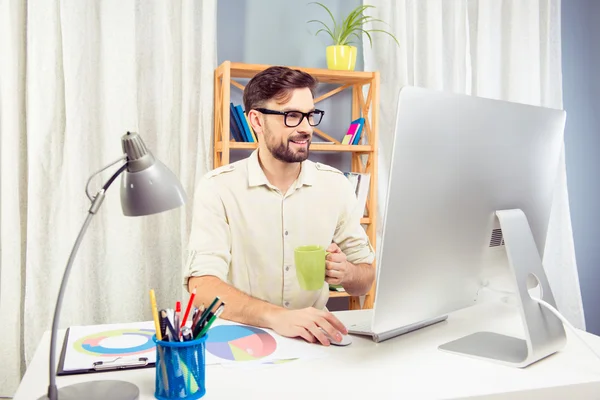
[406, 367]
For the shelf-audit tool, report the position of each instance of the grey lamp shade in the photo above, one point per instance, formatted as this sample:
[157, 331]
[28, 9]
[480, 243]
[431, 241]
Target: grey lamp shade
[149, 191]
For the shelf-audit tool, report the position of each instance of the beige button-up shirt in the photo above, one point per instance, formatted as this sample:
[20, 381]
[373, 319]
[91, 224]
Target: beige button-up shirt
[245, 230]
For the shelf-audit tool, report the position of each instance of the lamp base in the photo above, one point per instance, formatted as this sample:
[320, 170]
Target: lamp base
[98, 390]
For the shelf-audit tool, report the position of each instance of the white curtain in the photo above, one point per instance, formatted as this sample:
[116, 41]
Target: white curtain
[74, 77]
[502, 49]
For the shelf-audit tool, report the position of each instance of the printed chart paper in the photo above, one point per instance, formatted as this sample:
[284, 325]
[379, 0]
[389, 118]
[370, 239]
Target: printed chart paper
[232, 343]
[228, 343]
[109, 343]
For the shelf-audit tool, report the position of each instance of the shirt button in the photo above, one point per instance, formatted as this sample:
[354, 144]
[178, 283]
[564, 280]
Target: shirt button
[287, 303]
[287, 268]
[286, 232]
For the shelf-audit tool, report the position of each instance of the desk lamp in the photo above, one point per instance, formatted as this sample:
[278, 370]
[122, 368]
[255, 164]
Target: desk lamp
[147, 187]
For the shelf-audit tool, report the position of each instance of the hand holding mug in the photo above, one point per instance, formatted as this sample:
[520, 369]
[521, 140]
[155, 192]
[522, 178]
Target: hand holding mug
[337, 268]
[316, 265]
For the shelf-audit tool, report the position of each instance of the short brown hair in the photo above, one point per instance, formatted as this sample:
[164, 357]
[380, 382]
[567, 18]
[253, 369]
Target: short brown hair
[276, 83]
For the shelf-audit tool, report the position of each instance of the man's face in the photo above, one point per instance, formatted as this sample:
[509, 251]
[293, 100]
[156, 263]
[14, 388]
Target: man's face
[289, 144]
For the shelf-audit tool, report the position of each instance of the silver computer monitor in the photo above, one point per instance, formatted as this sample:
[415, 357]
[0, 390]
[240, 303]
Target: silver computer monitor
[471, 179]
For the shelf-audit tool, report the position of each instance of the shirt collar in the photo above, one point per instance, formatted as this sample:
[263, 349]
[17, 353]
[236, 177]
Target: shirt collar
[257, 177]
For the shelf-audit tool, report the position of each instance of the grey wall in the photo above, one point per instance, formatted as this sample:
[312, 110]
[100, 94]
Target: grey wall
[276, 32]
[581, 96]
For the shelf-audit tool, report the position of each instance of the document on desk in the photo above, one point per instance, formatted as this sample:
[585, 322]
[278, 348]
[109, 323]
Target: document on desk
[97, 348]
[119, 346]
[233, 344]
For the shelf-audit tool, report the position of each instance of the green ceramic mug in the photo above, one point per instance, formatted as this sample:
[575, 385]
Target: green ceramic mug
[310, 266]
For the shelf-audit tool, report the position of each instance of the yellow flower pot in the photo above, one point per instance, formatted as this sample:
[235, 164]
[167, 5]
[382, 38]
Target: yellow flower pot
[341, 57]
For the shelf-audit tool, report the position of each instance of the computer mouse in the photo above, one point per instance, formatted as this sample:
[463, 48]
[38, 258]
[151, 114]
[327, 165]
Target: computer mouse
[346, 339]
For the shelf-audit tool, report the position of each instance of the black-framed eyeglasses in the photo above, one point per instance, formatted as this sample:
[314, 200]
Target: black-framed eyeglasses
[294, 118]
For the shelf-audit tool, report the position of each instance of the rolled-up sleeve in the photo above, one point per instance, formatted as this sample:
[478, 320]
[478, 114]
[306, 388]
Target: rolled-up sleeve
[350, 236]
[210, 237]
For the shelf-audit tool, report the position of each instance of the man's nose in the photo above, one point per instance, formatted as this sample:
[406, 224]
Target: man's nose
[304, 126]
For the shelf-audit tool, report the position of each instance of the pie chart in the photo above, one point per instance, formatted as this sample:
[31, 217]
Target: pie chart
[240, 342]
[117, 343]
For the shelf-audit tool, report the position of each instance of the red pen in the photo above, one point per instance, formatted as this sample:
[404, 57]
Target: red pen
[189, 307]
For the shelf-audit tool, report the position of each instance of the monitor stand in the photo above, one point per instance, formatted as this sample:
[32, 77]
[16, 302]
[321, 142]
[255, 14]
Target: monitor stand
[544, 332]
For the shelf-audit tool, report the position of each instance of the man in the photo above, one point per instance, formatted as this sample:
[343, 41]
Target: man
[250, 215]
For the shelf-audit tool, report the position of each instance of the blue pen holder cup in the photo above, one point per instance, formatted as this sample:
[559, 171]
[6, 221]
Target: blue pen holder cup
[180, 369]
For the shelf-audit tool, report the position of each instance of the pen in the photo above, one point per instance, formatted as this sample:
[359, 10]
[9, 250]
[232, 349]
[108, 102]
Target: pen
[212, 305]
[186, 333]
[189, 307]
[197, 316]
[168, 325]
[176, 319]
[204, 317]
[210, 317]
[210, 321]
[210, 313]
[162, 319]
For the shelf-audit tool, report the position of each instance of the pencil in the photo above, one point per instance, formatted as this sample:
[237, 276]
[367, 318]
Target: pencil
[189, 307]
[159, 337]
[155, 314]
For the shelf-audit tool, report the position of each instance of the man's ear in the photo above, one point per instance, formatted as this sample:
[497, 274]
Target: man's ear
[256, 121]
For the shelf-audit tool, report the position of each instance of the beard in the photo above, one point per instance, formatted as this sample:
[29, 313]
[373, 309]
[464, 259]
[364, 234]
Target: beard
[282, 150]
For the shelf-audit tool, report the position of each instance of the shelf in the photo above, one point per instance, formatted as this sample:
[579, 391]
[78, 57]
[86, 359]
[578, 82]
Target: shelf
[315, 146]
[241, 70]
[333, 293]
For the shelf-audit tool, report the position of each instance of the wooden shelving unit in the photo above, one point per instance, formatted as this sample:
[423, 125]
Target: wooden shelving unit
[364, 155]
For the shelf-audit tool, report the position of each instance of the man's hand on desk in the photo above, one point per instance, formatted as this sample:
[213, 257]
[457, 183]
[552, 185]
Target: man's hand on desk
[306, 323]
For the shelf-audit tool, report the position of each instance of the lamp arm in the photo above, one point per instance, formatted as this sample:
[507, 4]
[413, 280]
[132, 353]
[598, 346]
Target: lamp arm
[87, 186]
[52, 389]
[96, 203]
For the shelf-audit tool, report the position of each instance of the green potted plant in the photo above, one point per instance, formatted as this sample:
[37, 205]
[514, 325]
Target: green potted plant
[341, 55]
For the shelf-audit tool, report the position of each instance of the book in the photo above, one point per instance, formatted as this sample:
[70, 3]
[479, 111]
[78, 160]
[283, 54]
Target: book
[244, 123]
[350, 133]
[250, 128]
[357, 133]
[233, 125]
